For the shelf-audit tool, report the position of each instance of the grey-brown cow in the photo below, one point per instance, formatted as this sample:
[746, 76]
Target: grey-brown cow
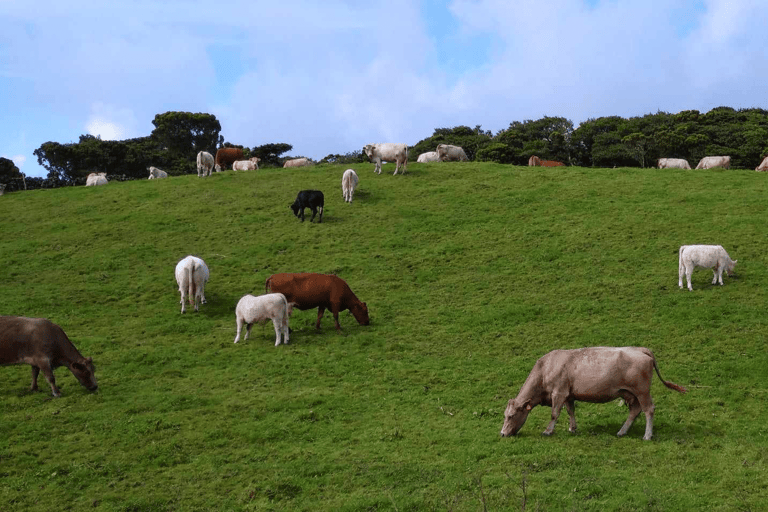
[43, 344]
[592, 374]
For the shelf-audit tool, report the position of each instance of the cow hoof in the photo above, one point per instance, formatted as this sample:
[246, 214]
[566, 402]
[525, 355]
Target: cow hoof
[545, 433]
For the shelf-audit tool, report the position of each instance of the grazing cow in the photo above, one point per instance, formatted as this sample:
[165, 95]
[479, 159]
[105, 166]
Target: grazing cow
[592, 374]
[321, 291]
[429, 156]
[534, 161]
[272, 306]
[707, 256]
[673, 163]
[348, 185]
[763, 165]
[191, 275]
[297, 162]
[244, 165]
[312, 199]
[710, 162]
[204, 163]
[155, 173]
[227, 156]
[96, 178]
[448, 153]
[44, 345]
[389, 152]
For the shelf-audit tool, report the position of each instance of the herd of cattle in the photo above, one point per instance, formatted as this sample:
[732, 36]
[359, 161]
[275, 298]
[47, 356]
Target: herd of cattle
[558, 379]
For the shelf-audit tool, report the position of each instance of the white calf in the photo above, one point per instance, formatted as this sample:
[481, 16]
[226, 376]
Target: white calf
[204, 163]
[348, 185]
[155, 173]
[192, 274]
[244, 165]
[96, 178]
[272, 306]
[707, 256]
[429, 156]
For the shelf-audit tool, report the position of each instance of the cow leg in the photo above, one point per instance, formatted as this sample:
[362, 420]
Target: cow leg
[48, 372]
[183, 303]
[570, 406]
[278, 330]
[557, 405]
[248, 330]
[646, 403]
[286, 331]
[314, 212]
[35, 373]
[688, 272]
[634, 409]
[239, 328]
[301, 215]
[321, 214]
[336, 319]
[320, 312]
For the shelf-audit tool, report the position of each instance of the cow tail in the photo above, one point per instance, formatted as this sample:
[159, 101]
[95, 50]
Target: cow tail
[670, 385]
[680, 262]
[191, 277]
[267, 284]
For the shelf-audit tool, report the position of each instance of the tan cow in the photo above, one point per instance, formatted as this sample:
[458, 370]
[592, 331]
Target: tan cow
[710, 162]
[244, 165]
[297, 162]
[387, 152]
[763, 165]
[429, 156]
[592, 374]
[673, 163]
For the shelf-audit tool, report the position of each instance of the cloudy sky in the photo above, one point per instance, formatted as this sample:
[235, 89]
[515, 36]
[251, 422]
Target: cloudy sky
[330, 76]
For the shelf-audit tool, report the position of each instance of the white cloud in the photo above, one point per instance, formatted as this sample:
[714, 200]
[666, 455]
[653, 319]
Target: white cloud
[19, 160]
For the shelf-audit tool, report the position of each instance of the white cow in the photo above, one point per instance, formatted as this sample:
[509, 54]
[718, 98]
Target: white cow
[707, 256]
[709, 162]
[763, 165]
[297, 162]
[96, 178]
[673, 163]
[448, 153]
[155, 173]
[272, 306]
[244, 165]
[348, 185]
[429, 156]
[204, 163]
[390, 152]
[255, 160]
[192, 274]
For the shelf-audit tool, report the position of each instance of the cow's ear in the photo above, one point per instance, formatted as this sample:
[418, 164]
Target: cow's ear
[79, 366]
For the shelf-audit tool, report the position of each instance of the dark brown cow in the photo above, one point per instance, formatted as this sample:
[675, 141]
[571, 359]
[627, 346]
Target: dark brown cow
[43, 344]
[227, 156]
[321, 291]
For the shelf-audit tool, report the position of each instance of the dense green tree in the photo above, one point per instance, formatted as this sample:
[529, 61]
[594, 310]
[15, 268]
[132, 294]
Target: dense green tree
[470, 139]
[184, 134]
[270, 153]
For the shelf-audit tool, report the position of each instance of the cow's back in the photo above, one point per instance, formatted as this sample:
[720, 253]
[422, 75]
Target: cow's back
[23, 339]
[306, 290]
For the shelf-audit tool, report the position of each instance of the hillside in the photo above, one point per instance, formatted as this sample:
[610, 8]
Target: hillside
[470, 271]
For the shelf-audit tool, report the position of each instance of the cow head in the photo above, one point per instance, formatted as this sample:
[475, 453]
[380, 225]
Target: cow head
[730, 266]
[360, 312]
[368, 150]
[85, 373]
[515, 416]
[295, 207]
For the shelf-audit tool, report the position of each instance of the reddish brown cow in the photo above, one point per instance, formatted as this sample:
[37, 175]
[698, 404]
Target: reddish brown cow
[551, 163]
[43, 344]
[227, 156]
[321, 291]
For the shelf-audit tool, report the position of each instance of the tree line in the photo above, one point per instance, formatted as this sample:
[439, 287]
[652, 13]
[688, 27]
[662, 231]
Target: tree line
[598, 142]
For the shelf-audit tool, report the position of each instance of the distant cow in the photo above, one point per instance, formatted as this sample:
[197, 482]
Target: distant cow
[204, 164]
[707, 256]
[312, 199]
[297, 162]
[244, 165]
[448, 153]
[45, 346]
[534, 161]
[388, 152]
[2, 189]
[227, 156]
[348, 185]
[155, 173]
[191, 275]
[321, 291]
[272, 306]
[429, 156]
[593, 374]
[673, 163]
[710, 162]
[96, 178]
[763, 165]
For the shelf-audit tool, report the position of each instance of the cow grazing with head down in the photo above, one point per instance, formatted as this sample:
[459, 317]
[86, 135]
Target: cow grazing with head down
[45, 346]
[707, 256]
[155, 173]
[593, 374]
[191, 276]
[95, 179]
[673, 163]
[763, 165]
[348, 185]
[272, 306]
[297, 162]
[321, 291]
[388, 152]
[227, 156]
[204, 164]
[429, 156]
[312, 199]
[448, 153]
[710, 162]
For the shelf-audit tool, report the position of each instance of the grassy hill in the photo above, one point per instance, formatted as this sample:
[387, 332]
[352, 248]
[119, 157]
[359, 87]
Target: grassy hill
[471, 272]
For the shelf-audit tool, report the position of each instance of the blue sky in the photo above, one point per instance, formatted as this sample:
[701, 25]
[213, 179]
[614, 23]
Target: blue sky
[330, 77]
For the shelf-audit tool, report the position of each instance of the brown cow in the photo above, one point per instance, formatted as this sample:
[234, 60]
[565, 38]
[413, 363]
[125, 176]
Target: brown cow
[43, 344]
[536, 161]
[592, 374]
[321, 291]
[228, 156]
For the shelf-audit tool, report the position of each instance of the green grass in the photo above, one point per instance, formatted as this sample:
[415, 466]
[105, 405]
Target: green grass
[470, 271]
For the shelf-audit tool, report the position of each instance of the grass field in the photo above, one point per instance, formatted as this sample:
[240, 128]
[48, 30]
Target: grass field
[470, 271]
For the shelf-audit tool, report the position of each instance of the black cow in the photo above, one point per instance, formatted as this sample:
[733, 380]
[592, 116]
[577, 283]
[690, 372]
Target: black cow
[312, 199]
